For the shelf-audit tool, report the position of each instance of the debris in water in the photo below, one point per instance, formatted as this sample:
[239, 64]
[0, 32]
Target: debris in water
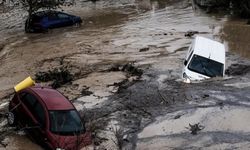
[86, 92]
[58, 76]
[177, 116]
[205, 96]
[129, 68]
[1, 46]
[195, 128]
[190, 33]
[144, 49]
[237, 69]
[221, 104]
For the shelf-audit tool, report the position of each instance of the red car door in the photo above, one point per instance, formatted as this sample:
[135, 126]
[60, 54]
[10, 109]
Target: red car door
[33, 117]
[25, 116]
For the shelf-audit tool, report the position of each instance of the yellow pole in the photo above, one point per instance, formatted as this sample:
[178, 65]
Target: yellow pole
[24, 84]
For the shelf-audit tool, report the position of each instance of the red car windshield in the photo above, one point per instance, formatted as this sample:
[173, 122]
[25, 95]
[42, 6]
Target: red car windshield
[65, 122]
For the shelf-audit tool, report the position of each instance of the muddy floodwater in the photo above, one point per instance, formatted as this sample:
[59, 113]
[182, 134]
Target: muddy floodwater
[126, 62]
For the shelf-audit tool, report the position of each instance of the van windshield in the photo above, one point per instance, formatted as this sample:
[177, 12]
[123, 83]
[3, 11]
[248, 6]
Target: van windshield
[206, 66]
[65, 122]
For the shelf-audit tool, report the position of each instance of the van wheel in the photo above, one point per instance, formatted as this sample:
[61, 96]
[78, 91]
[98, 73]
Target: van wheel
[11, 118]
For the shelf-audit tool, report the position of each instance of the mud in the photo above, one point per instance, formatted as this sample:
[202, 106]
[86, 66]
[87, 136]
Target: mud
[211, 113]
[129, 68]
[122, 70]
[58, 77]
[237, 69]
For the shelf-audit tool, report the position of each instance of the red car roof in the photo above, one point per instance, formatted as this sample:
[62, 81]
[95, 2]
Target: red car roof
[53, 99]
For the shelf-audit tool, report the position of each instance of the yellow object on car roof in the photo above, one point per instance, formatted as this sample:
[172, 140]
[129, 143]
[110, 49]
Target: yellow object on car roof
[28, 82]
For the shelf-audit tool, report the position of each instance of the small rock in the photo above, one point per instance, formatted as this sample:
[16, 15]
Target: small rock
[144, 49]
[195, 128]
[205, 96]
[1, 46]
[190, 33]
[177, 117]
[86, 92]
[221, 104]
[126, 137]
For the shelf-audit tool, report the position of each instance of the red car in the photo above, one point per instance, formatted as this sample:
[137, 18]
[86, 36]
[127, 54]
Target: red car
[49, 119]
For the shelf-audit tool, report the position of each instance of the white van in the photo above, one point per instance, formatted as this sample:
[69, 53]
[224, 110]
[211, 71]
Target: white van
[205, 59]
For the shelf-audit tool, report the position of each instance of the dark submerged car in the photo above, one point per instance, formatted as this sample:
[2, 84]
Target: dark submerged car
[44, 20]
[48, 118]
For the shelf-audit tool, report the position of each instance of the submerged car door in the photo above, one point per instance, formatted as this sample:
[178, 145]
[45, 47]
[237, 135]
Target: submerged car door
[35, 117]
[25, 115]
[65, 19]
[53, 20]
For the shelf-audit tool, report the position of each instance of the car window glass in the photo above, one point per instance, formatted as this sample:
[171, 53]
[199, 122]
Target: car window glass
[63, 16]
[52, 16]
[65, 122]
[28, 100]
[39, 113]
[34, 106]
[206, 66]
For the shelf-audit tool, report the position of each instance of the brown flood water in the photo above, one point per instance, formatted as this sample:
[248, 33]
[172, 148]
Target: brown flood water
[236, 34]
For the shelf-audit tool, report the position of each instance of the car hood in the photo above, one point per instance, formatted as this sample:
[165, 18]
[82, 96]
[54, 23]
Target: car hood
[72, 142]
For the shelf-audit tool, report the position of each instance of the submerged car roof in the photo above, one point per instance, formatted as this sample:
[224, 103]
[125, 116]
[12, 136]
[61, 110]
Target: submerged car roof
[209, 49]
[53, 99]
[45, 12]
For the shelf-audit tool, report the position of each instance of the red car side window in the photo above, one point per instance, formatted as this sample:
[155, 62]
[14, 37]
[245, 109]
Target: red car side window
[28, 100]
[34, 106]
[39, 114]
